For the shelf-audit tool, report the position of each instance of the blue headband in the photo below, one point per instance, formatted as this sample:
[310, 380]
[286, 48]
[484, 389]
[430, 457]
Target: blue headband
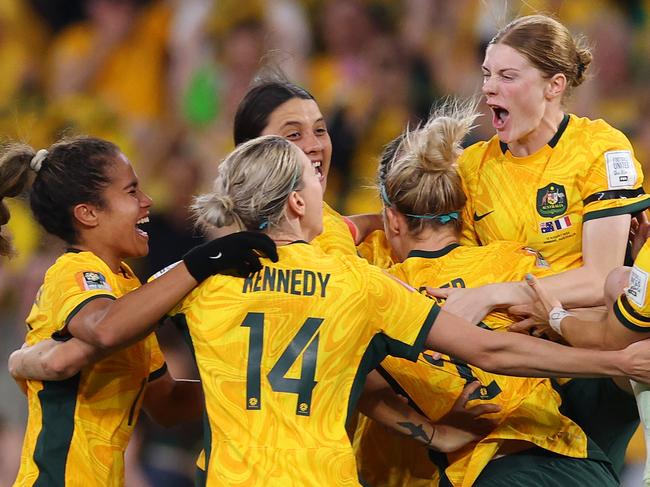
[443, 219]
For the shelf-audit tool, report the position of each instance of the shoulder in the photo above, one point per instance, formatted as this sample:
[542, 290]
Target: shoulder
[72, 263]
[473, 155]
[330, 212]
[597, 133]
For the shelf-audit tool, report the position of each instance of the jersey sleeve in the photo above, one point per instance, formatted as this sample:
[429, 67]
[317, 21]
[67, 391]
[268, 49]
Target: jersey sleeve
[613, 182]
[81, 283]
[398, 311]
[632, 308]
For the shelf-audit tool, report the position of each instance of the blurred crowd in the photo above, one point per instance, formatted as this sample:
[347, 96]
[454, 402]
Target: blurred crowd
[163, 78]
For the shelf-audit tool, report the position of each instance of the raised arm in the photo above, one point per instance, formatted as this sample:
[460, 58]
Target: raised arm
[106, 323]
[521, 355]
[604, 243]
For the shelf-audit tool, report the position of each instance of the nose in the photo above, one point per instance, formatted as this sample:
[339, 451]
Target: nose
[145, 201]
[312, 144]
[489, 86]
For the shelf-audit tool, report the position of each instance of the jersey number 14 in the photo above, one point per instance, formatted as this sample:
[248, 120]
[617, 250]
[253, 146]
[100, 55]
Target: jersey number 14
[304, 343]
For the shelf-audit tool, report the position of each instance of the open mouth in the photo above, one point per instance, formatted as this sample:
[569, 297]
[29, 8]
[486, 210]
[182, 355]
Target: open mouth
[317, 165]
[139, 230]
[499, 116]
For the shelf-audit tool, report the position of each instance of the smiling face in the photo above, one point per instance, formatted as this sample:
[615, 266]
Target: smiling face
[300, 121]
[126, 207]
[521, 99]
[312, 194]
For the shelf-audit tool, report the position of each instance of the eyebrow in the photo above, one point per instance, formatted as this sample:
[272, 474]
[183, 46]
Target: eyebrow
[297, 122]
[501, 70]
[132, 184]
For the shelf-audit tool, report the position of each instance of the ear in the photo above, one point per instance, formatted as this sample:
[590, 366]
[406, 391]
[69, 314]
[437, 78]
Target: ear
[556, 86]
[86, 215]
[296, 204]
[395, 222]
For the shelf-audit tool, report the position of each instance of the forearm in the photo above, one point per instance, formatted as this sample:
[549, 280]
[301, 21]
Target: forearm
[382, 404]
[581, 287]
[584, 334]
[133, 316]
[51, 360]
[520, 355]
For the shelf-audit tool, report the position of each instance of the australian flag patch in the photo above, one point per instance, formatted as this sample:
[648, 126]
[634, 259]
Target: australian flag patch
[555, 225]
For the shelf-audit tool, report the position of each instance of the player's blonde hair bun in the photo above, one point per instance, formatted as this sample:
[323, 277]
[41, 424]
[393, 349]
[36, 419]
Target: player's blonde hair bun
[436, 145]
[418, 173]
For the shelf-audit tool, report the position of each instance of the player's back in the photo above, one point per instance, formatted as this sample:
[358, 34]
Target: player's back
[282, 357]
[465, 266]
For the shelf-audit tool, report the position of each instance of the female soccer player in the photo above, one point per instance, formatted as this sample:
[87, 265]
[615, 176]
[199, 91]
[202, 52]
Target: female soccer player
[423, 197]
[275, 106]
[86, 192]
[561, 184]
[282, 354]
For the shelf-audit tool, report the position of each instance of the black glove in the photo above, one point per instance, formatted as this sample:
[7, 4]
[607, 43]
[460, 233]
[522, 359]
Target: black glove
[235, 254]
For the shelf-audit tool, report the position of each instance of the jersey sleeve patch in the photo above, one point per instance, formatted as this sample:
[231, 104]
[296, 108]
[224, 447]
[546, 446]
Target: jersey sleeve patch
[621, 172]
[638, 286]
[91, 281]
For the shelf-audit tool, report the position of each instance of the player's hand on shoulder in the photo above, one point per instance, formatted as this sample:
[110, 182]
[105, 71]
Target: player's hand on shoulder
[235, 254]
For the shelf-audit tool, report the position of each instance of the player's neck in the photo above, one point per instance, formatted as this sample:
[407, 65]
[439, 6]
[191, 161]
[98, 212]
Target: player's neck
[433, 240]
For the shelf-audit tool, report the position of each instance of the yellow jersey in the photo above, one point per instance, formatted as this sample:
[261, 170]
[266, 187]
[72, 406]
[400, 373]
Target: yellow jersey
[77, 429]
[462, 266]
[530, 407]
[632, 308]
[587, 171]
[283, 356]
[376, 250]
[336, 238]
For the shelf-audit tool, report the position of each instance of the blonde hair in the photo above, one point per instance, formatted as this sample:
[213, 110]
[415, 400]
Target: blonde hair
[549, 46]
[252, 185]
[418, 173]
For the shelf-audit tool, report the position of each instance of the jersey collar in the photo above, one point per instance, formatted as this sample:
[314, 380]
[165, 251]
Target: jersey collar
[551, 143]
[433, 254]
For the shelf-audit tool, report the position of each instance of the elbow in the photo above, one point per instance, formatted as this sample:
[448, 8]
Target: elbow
[488, 362]
[13, 365]
[104, 338]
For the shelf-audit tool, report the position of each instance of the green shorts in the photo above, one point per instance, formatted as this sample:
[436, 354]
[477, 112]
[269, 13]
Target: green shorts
[541, 468]
[608, 415]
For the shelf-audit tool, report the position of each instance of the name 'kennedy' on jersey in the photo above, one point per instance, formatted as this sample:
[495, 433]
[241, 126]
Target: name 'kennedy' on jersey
[291, 281]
